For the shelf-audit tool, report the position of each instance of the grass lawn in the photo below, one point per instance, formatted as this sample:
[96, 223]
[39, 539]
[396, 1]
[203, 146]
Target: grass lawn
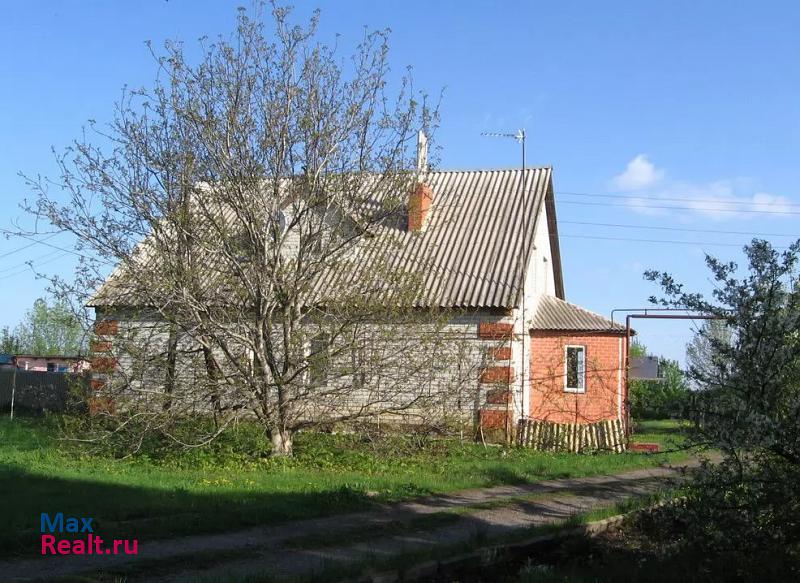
[231, 485]
[666, 432]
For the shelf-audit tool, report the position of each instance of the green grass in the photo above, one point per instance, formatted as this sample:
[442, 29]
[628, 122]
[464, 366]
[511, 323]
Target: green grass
[232, 485]
[666, 432]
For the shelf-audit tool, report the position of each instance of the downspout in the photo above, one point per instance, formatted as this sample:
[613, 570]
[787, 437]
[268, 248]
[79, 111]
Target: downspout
[619, 378]
[627, 421]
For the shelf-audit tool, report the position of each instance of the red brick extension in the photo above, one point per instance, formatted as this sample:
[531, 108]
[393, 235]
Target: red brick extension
[550, 402]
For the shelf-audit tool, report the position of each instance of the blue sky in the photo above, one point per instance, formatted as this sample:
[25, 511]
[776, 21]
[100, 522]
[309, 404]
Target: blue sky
[664, 100]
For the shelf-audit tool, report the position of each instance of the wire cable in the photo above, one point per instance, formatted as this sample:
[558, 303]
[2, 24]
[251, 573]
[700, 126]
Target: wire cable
[674, 199]
[50, 236]
[678, 208]
[665, 241]
[687, 230]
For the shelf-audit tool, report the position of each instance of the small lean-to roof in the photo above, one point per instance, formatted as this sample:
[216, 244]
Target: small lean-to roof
[555, 314]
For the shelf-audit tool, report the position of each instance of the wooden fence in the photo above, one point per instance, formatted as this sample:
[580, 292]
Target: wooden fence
[573, 437]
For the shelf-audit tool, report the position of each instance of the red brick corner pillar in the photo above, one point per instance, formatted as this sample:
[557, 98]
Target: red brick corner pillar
[103, 366]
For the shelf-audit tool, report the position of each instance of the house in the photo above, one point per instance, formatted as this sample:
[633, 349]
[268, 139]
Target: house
[7, 362]
[498, 270]
[56, 363]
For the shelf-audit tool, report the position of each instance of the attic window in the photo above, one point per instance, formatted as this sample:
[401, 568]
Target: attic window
[575, 369]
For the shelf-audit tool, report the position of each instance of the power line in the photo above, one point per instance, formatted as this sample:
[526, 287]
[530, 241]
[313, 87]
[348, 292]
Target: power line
[24, 263]
[674, 199]
[687, 230]
[685, 208]
[28, 245]
[695, 243]
[41, 242]
[22, 271]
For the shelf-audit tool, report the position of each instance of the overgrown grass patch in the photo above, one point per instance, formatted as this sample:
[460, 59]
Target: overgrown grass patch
[233, 484]
[670, 434]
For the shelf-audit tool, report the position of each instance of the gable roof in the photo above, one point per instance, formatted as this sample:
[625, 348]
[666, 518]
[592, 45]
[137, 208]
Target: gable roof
[474, 237]
[469, 249]
[554, 313]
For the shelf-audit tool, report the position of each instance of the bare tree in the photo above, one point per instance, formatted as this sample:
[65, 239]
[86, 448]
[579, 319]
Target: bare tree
[250, 202]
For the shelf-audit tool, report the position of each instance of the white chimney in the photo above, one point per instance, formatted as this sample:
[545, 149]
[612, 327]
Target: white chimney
[422, 152]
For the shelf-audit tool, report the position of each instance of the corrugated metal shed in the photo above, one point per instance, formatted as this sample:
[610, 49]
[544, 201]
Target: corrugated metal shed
[556, 314]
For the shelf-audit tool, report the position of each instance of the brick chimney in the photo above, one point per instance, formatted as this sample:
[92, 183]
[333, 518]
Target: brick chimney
[419, 203]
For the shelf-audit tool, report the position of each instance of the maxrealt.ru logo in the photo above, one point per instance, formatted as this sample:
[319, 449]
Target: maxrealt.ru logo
[88, 543]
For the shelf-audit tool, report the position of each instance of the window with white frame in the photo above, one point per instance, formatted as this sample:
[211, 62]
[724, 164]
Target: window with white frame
[575, 369]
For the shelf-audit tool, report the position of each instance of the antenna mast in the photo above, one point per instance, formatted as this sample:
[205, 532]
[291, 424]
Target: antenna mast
[520, 137]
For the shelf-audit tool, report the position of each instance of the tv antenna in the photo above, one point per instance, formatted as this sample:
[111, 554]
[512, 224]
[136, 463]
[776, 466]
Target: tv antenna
[520, 137]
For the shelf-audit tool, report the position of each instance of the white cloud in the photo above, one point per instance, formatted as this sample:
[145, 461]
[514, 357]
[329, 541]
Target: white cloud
[640, 173]
[723, 199]
[718, 200]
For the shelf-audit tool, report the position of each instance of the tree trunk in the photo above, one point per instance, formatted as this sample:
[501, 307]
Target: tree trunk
[214, 376]
[172, 357]
[281, 442]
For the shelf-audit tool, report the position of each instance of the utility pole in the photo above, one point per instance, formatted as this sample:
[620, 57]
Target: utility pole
[520, 137]
[13, 387]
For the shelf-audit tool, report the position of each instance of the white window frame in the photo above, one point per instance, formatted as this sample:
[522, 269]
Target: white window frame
[581, 373]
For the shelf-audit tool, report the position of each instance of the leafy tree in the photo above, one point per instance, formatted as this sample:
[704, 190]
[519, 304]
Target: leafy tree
[747, 507]
[638, 349]
[700, 352]
[667, 397]
[47, 330]
[9, 343]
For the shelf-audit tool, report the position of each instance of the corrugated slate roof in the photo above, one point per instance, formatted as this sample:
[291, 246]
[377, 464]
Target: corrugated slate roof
[469, 251]
[473, 240]
[556, 314]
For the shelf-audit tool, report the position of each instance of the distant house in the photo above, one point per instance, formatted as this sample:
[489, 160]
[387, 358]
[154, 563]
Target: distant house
[645, 368]
[7, 362]
[535, 355]
[32, 362]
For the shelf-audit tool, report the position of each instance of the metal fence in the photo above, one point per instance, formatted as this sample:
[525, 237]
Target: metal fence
[40, 391]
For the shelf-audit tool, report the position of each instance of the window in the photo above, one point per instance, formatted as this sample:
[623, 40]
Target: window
[51, 367]
[575, 369]
[319, 360]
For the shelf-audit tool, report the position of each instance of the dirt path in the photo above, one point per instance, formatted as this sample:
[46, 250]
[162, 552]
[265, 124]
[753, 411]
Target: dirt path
[306, 547]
